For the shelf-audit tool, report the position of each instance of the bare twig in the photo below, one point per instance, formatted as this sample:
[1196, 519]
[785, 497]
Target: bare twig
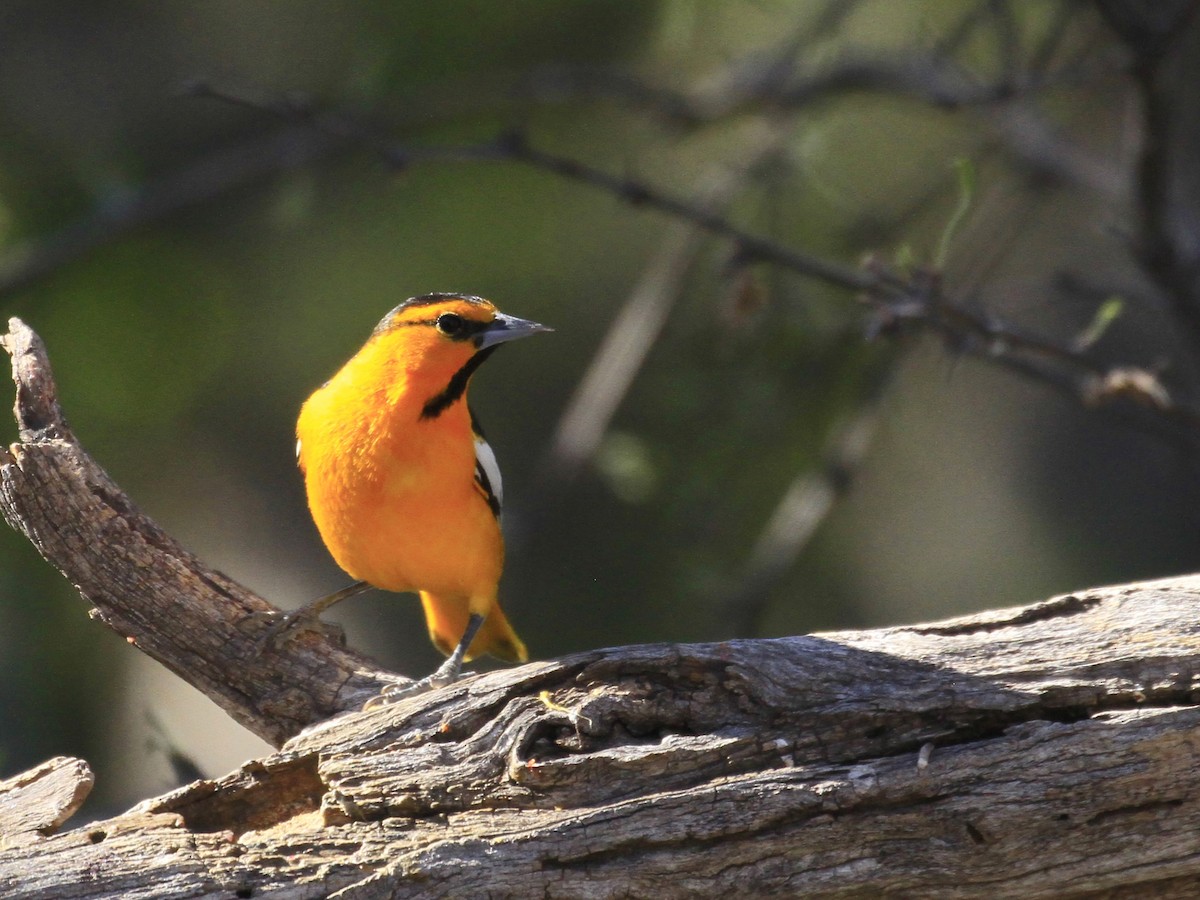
[1062, 365]
[913, 300]
[513, 147]
[893, 296]
[243, 163]
[777, 80]
[637, 327]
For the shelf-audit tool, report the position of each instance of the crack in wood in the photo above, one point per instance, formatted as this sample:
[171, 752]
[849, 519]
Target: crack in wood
[257, 796]
[1136, 809]
[1068, 605]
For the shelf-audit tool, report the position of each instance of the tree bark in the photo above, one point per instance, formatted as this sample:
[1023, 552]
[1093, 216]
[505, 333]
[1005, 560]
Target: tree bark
[194, 620]
[1046, 751]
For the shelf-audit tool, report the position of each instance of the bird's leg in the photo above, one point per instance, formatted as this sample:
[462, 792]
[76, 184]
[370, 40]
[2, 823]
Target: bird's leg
[307, 617]
[446, 673]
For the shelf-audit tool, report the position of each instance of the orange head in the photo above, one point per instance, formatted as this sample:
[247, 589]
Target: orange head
[446, 337]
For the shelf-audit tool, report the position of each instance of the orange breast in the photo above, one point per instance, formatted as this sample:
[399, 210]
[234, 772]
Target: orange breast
[393, 494]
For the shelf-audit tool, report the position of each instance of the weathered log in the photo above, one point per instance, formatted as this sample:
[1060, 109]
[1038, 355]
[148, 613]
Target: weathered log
[1046, 751]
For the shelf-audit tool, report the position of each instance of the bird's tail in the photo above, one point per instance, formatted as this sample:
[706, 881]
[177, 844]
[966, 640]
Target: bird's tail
[447, 620]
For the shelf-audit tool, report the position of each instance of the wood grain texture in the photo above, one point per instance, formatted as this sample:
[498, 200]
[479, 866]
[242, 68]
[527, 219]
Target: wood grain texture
[1045, 751]
[38, 801]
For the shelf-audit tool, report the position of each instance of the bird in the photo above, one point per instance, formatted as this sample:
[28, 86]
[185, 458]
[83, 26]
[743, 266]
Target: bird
[402, 485]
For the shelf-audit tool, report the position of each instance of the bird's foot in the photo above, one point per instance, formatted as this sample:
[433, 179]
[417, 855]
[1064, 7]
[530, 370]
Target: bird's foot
[394, 693]
[286, 625]
[307, 618]
[447, 673]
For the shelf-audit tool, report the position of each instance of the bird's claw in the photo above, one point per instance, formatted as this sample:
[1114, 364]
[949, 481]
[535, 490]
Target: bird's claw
[286, 625]
[394, 693]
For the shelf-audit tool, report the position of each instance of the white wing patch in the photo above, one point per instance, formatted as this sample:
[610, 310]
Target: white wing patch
[487, 474]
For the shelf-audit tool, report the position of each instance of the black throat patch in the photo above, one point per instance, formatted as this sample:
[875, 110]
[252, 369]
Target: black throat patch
[445, 398]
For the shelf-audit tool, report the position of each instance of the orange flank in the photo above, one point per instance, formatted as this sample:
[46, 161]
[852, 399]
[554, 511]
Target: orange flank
[403, 488]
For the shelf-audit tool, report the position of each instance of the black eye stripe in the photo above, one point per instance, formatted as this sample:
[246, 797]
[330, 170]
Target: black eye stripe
[470, 328]
[425, 300]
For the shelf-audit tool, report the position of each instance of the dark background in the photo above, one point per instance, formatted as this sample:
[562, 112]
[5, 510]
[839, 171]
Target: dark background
[197, 266]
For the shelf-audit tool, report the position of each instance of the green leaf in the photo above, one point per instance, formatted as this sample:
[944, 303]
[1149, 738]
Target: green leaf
[967, 183]
[1108, 313]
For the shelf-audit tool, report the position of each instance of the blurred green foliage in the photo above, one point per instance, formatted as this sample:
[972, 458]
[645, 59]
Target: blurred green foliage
[185, 346]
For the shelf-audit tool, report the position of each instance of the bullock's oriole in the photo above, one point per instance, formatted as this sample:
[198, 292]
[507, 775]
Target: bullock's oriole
[403, 487]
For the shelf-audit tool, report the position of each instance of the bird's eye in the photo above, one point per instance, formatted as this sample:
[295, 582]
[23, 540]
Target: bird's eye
[450, 324]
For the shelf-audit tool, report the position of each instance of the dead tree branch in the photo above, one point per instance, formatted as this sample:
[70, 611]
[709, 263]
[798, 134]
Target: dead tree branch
[1032, 753]
[197, 622]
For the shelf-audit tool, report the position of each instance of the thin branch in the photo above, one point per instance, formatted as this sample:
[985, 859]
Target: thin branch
[1062, 365]
[779, 80]
[910, 300]
[638, 325]
[893, 296]
[750, 245]
[244, 163]
[513, 147]
[769, 80]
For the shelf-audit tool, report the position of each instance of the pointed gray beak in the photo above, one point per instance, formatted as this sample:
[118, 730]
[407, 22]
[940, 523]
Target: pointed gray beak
[507, 328]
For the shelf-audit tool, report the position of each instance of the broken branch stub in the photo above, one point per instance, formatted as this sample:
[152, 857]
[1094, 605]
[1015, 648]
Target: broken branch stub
[145, 586]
